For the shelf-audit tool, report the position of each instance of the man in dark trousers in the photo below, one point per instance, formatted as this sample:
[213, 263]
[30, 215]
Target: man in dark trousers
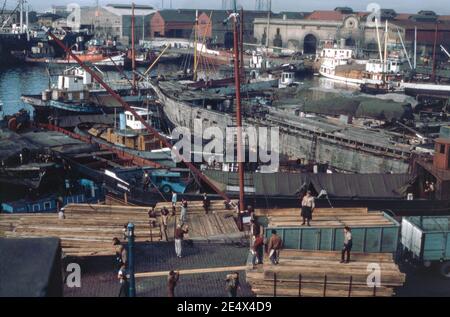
[164, 217]
[123, 280]
[172, 283]
[233, 284]
[274, 246]
[307, 208]
[348, 243]
[206, 203]
[257, 250]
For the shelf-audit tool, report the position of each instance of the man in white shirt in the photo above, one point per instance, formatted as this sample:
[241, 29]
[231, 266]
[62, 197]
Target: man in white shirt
[348, 243]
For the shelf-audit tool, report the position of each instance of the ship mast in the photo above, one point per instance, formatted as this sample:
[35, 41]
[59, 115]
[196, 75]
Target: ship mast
[269, 10]
[242, 44]
[195, 45]
[133, 51]
[433, 75]
[21, 15]
[237, 77]
[385, 64]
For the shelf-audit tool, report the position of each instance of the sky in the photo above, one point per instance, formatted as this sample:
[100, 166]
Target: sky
[406, 6]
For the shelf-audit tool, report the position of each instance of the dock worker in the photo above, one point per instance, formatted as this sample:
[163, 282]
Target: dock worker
[121, 252]
[125, 231]
[117, 249]
[232, 284]
[348, 243]
[61, 215]
[123, 280]
[172, 281]
[151, 217]
[164, 217]
[255, 230]
[179, 236]
[145, 181]
[184, 205]
[174, 203]
[274, 246]
[432, 190]
[257, 250]
[308, 206]
[206, 203]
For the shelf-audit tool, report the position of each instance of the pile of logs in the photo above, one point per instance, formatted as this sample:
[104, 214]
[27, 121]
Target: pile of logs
[325, 217]
[319, 274]
[86, 230]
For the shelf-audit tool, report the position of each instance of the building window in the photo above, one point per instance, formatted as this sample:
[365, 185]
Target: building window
[47, 205]
[36, 207]
[442, 148]
[278, 31]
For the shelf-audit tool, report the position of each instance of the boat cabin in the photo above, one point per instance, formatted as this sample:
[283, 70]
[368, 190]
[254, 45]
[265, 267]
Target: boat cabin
[436, 169]
[337, 53]
[377, 67]
[287, 79]
[129, 121]
[258, 61]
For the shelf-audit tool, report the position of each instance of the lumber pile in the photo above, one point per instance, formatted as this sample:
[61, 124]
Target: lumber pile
[218, 223]
[326, 217]
[196, 207]
[87, 229]
[319, 273]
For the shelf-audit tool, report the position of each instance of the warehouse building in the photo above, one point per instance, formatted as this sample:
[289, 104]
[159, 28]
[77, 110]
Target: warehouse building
[113, 21]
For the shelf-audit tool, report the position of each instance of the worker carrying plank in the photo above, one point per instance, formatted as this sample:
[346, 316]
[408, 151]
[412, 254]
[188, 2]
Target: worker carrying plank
[274, 246]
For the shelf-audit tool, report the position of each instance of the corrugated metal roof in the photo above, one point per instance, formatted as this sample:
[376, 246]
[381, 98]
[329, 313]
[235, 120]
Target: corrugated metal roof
[126, 10]
[336, 185]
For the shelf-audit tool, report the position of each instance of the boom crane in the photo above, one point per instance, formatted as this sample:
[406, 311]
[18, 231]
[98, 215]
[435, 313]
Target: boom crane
[127, 107]
[445, 51]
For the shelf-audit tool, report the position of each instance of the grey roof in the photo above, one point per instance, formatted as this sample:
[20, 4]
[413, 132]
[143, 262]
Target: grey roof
[386, 186]
[30, 267]
[179, 15]
[362, 186]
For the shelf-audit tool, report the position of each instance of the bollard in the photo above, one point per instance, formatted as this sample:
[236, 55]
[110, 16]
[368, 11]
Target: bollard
[132, 287]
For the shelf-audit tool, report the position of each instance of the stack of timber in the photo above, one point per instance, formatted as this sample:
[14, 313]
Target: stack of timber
[218, 224]
[87, 229]
[319, 274]
[326, 217]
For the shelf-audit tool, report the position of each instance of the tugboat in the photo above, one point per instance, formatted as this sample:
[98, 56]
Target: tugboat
[76, 92]
[97, 53]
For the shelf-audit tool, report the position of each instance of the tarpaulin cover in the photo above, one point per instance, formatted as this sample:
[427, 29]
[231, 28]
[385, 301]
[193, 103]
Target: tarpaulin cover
[336, 185]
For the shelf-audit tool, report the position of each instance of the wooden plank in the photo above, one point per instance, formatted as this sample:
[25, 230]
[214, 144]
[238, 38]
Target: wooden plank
[193, 271]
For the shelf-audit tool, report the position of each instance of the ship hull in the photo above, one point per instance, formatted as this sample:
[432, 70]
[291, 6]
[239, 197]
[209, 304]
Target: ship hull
[293, 144]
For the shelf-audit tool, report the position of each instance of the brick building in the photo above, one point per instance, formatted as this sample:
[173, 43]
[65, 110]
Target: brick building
[180, 24]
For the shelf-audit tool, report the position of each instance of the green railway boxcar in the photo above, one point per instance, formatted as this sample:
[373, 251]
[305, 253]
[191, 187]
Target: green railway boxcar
[427, 239]
[372, 239]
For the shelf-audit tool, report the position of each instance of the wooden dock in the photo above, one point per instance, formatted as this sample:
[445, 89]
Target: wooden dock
[319, 274]
[88, 230]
